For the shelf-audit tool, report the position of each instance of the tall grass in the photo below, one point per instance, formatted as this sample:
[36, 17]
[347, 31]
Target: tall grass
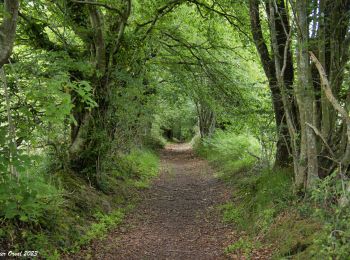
[232, 152]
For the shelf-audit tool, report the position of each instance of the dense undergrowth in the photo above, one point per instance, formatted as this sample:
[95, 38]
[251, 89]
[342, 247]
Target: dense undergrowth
[58, 213]
[267, 211]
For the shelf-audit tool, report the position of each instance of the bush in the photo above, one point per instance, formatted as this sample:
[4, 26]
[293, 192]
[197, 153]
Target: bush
[266, 207]
[243, 247]
[154, 142]
[101, 227]
[134, 168]
[144, 165]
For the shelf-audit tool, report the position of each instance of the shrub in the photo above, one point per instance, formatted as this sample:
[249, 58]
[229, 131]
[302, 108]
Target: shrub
[144, 165]
[63, 212]
[30, 212]
[101, 227]
[134, 168]
[28, 200]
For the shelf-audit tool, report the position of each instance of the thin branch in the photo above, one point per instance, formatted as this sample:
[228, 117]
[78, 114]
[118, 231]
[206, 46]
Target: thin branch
[160, 13]
[99, 4]
[317, 132]
[285, 52]
[327, 89]
[227, 16]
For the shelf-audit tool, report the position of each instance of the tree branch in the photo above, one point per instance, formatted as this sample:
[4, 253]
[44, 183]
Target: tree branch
[160, 13]
[228, 17]
[317, 132]
[336, 105]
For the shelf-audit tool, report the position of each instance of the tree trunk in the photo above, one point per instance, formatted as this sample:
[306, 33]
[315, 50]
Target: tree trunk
[306, 97]
[8, 29]
[206, 119]
[93, 132]
[283, 148]
[12, 144]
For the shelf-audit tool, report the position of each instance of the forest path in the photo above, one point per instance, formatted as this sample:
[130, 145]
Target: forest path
[177, 217]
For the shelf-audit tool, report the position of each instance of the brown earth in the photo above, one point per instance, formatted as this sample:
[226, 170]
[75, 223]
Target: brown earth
[178, 217]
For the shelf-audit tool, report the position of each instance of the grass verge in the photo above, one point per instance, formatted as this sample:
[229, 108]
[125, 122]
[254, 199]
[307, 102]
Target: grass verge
[263, 206]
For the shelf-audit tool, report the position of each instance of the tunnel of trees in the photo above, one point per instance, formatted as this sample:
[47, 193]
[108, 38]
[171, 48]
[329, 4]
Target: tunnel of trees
[91, 88]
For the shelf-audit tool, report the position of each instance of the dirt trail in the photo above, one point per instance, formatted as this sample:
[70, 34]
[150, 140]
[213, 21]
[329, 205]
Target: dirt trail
[178, 217]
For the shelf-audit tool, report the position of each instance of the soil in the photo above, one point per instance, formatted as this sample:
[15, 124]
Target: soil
[177, 218]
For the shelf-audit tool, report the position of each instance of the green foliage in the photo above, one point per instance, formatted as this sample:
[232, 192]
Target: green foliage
[263, 200]
[42, 91]
[172, 58]
[263, 206]
[143, 165]
[234, 153]
[233, 213]
[136, 168]
[29, 199]
[155, 139]
[30, 212]
[260, 196]
[99, 229]
[292, 235]
[175, 121]
[331, 198]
